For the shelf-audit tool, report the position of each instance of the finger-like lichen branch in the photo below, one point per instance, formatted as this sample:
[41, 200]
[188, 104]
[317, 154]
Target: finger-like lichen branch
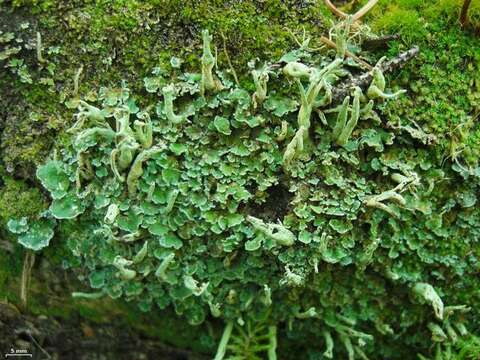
[277, 232]
[352, 122]
[377, 86]
[222, 345]
[136, 170]
[428, 294]
[208, 82]
[121, 264]
[260, 79]
[168, 96]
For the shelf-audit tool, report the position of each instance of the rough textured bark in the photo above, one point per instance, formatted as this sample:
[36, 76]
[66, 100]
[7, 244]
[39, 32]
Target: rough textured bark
[47, 338]
[379, 42]
[364, 79]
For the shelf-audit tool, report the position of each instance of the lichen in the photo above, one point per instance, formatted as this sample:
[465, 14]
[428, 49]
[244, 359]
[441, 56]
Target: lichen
[325, 182]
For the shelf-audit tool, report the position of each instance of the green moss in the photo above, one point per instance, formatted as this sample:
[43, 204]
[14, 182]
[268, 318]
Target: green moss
[30, 126]
[11, 262]
[397, 19]
[449, 10]
[467, 349]
[18, 199]
[116, 40]
[413, 18]
[444, 81]
[36, 6]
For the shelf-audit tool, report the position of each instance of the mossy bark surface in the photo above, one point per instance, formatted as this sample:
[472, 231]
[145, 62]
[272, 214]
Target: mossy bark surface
[111, 41]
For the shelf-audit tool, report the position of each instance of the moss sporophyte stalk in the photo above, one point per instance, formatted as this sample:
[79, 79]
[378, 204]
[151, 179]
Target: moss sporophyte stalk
[179, 203]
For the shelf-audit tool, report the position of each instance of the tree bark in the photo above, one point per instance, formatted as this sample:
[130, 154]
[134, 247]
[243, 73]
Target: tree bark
[364, 79]
[46, 338]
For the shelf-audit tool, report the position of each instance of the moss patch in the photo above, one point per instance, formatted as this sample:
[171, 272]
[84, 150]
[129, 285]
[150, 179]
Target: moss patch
[444, 81]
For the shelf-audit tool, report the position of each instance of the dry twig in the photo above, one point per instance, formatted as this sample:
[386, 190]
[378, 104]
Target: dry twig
[379, 42]
[364, 79]
[28, 262]
[355, 17]
[464, 13]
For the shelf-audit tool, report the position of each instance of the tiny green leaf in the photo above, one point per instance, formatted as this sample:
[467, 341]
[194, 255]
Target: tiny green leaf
[67, 207]
[280, 105]
[340, 226]
[18, 226]
[222, 125]
[38, 236]
[54, 178]
[170, 241]
[129, 221]
[254, 244]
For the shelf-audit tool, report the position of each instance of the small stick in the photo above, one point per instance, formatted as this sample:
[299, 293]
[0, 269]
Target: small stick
[334, 9]
[368, 6]
[28, 262]
[378, 42]
[364, 79]
[401, 59]
[357, 16]
[464, 13]
[331, 44]
[38, 345]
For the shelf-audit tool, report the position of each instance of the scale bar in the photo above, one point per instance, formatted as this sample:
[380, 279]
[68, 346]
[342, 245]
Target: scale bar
[8, 355]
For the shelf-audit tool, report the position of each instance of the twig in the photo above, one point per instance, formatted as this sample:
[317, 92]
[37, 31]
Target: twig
[364, 79]
[38, 345]
[334, 9]
[228, 57]
[355, 17]
[464, 13]
[401, 59]
[378, 42]
[28, 262]
[361, 13]
[331, 44]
